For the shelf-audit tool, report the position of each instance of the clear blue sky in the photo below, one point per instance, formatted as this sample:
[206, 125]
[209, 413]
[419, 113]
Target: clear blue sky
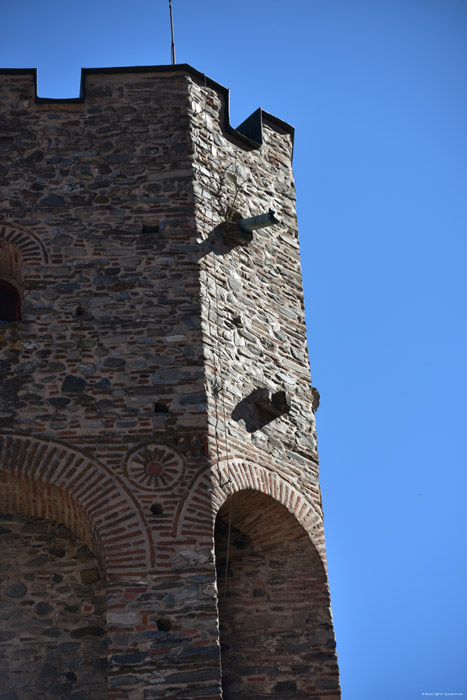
[377, 91]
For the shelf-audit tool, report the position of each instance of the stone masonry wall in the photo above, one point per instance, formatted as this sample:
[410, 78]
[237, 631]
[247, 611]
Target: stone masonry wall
[126, 409]
[254, 327]
[253, 311]
[53, 641]
[102, 383]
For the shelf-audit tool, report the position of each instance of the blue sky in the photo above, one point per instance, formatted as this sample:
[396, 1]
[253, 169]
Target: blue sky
[377, 91]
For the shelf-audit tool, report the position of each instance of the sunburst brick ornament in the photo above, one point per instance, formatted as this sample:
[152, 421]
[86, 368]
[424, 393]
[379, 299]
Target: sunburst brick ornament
[154, 466]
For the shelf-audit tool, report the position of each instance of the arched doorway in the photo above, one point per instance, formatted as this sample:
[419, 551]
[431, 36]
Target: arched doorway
[276, 630]
[53, 640]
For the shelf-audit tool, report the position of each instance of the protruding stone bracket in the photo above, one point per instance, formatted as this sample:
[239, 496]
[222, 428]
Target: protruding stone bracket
[241, 231]
[234, 234]
[261, 407]
[275, 404]
[253, 223]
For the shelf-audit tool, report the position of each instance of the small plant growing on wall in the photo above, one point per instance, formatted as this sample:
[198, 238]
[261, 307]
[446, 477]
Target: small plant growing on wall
[230, 191]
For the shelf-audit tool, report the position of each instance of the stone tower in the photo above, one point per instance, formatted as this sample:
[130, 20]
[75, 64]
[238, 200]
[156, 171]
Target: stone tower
[161, 527]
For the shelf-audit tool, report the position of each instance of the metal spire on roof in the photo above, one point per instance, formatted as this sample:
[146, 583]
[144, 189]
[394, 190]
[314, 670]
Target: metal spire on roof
[172, 32]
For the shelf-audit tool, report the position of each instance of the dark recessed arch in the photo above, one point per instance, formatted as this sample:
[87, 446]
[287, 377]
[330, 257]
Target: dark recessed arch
[11, 281]
[275, 623]
[10, 303]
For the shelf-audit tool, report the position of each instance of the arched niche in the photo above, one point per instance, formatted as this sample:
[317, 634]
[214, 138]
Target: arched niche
[50, 479]
[11, 282]
[275, 623]
[19, 493]
[53, 640]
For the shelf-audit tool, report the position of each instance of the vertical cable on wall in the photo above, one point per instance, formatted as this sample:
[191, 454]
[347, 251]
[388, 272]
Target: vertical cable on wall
[219, 377]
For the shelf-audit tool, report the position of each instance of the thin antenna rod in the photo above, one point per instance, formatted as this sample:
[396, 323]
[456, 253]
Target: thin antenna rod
[172, 32]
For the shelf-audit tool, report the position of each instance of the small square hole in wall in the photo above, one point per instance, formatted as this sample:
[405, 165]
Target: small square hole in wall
[157, 509]
[150, 227]
[81, 311]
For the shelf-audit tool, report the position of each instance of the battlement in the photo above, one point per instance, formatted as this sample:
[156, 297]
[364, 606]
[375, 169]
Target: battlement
[249, 133]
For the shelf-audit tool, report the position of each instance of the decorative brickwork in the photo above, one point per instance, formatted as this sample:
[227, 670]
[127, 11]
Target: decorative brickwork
[28, 242]
[88, 498]
[159, 376]
[240, 475]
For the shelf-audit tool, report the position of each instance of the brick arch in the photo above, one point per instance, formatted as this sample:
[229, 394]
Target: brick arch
[28, 241]
[82, 493]
[30, 497]
[244, 475]
[273, 603]
[11, 280]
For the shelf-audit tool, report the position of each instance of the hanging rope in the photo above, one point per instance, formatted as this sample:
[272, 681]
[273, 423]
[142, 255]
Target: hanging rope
[229, 530]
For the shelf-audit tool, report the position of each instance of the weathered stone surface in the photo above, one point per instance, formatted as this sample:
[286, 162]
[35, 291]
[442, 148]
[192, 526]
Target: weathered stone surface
[16, 590]
[53, 201]
[71, 383]
[123, 619]
[43, 609]
[89, 631]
